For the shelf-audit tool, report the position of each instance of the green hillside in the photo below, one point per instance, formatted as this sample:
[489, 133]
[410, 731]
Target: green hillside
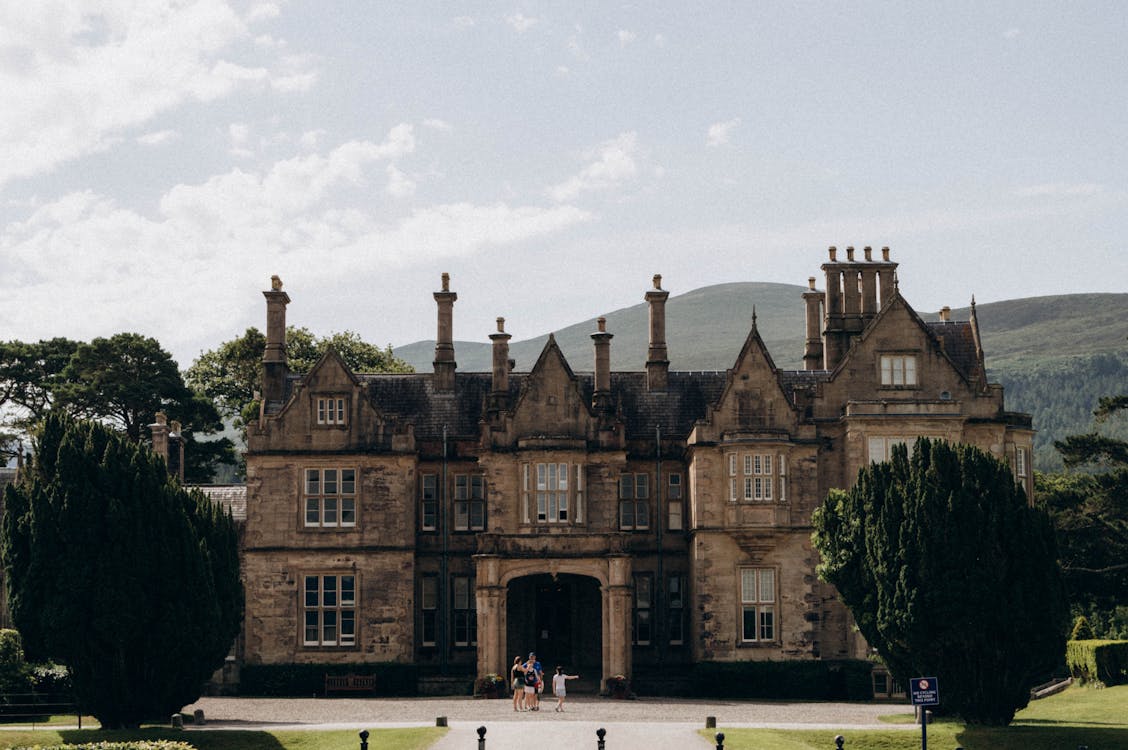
[1054, 355]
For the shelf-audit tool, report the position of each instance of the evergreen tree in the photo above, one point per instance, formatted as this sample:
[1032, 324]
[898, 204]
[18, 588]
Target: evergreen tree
[949, 572]
[118, 573]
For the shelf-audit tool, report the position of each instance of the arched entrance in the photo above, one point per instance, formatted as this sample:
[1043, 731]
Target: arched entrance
[558, 617]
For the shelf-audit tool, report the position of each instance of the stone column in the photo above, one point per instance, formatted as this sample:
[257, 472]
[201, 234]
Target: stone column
[617, 606]
[491, 603]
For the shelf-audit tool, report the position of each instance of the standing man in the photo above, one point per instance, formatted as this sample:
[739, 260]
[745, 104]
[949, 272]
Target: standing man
[534, 678]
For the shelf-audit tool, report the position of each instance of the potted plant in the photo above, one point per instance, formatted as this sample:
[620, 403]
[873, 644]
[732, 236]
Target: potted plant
[618, 686]
[490, 686]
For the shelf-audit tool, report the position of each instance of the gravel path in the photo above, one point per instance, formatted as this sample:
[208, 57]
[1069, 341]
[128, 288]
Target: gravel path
[655, 724]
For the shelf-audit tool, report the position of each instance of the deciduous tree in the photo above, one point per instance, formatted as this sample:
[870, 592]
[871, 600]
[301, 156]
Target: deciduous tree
[117, 572]
[949, 572]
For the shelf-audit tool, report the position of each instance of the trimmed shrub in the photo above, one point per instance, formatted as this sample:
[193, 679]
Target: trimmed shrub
[846, 679]
[1081, 630]
[301, 680]
[1099, 662]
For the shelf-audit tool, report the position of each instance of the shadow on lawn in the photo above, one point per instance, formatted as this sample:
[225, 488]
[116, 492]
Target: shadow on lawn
[1045, 737]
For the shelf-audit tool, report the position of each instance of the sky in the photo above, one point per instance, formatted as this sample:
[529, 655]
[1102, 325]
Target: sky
[162, 160]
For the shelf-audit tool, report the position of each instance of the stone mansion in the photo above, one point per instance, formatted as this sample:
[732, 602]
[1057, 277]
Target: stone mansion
[629, 522]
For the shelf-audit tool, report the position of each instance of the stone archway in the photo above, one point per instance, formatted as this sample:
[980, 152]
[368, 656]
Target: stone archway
[543, 588]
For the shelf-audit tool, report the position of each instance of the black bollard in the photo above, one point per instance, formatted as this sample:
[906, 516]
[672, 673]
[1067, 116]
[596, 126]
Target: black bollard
[481, 738]
[839, 741]
[600, 733]
[364, 739]
[720, 738]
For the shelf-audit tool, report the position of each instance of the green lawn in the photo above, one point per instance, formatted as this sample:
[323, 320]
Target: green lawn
[1097, 718]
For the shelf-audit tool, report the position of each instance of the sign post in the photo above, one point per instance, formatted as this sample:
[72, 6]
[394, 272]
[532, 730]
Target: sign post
[925, 691]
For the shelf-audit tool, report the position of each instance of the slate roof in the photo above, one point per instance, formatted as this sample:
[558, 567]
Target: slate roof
[958, 342]
[232, 497]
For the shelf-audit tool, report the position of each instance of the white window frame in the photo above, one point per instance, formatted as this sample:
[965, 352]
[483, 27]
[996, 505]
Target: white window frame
[757, 482]
[898, 370]
[675, 520]
[553, 492]
[329, 607]
[1020, 462]
[642, 620]
[464, 611]
[332, 411]
[758, 602]
[329, 497]
[428, 609]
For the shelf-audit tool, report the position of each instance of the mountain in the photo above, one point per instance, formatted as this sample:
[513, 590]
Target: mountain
[1054, 355]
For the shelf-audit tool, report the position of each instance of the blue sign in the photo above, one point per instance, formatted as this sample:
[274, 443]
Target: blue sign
[925, 691]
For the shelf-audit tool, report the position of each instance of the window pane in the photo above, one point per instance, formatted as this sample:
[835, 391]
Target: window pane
[541, 472]
[767, 586]
[329, 626]
[348, 512]
[626, 487]
[313, 512]
[626, 514]
[674, 491]
[312, 627]
[330, 516]
[461, 516]
[749, 624]
[348, 481]
[313, 482]
[348, 589]
[430, 592]
[747, 585]
[562, 474]
[461, 592]
[910, 370]
[461, 488]
[330, 481]
[477, 490]
[642, 592]
[311, 591]
[767, 624]
[329, 591]
[642, 486]
[642, 514]
[675, 523]
[348, 627]
[477, 515]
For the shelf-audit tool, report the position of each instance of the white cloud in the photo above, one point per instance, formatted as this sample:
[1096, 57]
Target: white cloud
[563, 71]
[433, 123]
[576, 49]
[463, 22]
[520, 22]
[659, 40]
[613, 163]
[626, 37]
[157, 137]
[1011, 33]
[399, 184]
[262, 12]
[100, 264]
[310, 138]
[92, 71]
[720, 132]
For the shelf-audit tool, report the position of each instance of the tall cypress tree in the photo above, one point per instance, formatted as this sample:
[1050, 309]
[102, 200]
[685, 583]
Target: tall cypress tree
[949, 572]
[117, 572]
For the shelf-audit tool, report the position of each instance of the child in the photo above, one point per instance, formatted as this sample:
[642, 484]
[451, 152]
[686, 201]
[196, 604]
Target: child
[558, 681]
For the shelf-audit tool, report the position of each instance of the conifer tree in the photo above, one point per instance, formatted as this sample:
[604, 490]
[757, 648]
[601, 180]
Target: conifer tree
[117, 572]
[949, 572]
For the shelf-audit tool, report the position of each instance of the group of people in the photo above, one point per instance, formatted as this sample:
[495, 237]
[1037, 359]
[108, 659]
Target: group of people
[527, 679]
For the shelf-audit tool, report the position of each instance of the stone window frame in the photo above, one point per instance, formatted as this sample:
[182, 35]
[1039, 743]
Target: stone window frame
[757, 476]
[898, 369]
[1020, 462]
[469, 503]
[329, 607]
[330, 410]
[536, 497]
[634, 501]
[762, 607]
[325, 509]
[464, 611]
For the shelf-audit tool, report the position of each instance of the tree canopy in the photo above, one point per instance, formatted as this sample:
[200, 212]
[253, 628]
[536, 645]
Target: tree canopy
[123, 380]
[1090, 513]
[231, 374]
[949, 572]
[117, 572]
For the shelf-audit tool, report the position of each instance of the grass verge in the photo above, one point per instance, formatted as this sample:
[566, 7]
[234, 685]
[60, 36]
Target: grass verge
[410, 738]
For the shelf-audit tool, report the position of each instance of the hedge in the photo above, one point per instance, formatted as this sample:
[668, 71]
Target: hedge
[1097, 661]
[303, 680]
[846, 679]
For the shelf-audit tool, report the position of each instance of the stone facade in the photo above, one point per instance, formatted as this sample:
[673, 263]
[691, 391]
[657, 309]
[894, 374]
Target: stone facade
[614, 522]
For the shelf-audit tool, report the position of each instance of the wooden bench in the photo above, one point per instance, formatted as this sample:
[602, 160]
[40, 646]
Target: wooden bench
[349, 683]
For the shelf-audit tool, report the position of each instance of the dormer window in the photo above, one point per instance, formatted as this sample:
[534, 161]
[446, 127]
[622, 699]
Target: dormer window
[898, 370]
[331, 411]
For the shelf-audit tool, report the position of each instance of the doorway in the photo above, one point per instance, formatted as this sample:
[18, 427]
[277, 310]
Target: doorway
[560, 618]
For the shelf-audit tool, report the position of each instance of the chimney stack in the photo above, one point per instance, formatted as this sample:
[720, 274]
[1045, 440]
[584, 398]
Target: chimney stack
[869, 288]
[168, 443]
[274, 366]
[886, 273]
[657, 361]
[444, 340]
[601, 398]
[945, 313]
[813, 350]
[499, 389]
